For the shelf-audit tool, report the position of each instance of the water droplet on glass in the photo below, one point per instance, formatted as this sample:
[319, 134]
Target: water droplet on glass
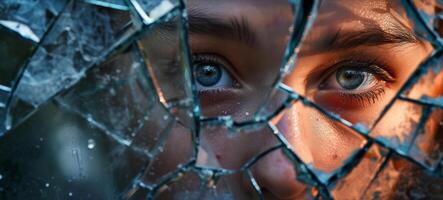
[91, 144]
[47, 185]
[70, 194]
[165, 117]
[1, 177]
[112, 92]
[89, 118]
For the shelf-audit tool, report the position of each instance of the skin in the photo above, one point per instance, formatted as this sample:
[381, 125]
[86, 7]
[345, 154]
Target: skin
[252, 66]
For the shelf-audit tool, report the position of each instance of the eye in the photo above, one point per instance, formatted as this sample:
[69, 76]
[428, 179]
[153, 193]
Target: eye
[355, 77]
[210, 73]
[350, 79]
[362, 82]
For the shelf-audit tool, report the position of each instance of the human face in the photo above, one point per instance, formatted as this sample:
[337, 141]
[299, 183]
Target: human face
[105, 108]
[354, 60]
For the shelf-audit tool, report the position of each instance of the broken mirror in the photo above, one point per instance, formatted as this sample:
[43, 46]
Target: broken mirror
[224, 100]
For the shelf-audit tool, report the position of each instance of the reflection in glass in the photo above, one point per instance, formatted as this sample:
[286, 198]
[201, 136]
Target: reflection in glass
[196, 99]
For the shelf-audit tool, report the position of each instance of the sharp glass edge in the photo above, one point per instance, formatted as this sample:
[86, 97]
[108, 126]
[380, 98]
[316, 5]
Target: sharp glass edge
[339, 119]
[301, 25]
[15, 83]
[118, 45]
[122, 6]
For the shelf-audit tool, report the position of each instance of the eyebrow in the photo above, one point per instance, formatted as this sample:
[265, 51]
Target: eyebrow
[233, 28]
[371, 35]
[238, 28]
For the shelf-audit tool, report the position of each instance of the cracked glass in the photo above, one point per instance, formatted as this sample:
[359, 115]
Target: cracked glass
[227, 99]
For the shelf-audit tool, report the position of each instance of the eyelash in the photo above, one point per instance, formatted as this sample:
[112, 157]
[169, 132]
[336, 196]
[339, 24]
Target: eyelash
[222, 62]
[366, 97]
[371, 66]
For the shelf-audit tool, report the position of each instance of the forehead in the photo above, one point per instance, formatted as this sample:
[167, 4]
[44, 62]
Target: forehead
[361, 8]
[258, 12]
[332, 13]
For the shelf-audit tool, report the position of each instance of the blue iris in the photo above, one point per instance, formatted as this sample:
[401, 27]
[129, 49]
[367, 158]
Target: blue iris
[208, 74]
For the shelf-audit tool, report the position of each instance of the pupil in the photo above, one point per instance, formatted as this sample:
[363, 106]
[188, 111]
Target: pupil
[350, 79]
[208, 75]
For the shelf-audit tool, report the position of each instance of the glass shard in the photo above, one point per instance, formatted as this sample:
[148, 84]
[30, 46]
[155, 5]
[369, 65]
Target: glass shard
[63, 160]
[168, 63]
[36, 16]
[194, 99]
[117, 96]
[72, 45]
[149, 11]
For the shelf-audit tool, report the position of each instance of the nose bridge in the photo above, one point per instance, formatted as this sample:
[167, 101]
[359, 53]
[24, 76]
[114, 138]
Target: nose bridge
[275, 173]
[276, 176]
[292, 125]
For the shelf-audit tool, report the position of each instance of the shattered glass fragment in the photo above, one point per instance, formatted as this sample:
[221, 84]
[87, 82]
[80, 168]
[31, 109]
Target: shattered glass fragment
[72, 45]
[16, 44]
[114, 4]
[171, 99]
[257, 142]
[200, 184]
[238, 105]
[361, 174]
[149, 11]
[117, 96]
[401, 179]
[166, 157]
[335, 93]
[168, 63]
[60, 157]
[426, 19]
[416, 135]
[297, 136]
[4, 95]
[34, 16]
[299, 179]
[430, 72]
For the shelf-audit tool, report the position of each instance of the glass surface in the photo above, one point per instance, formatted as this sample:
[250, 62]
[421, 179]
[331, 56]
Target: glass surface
[226, 99]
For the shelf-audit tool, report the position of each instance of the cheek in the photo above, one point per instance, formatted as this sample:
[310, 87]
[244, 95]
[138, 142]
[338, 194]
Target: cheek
[316, 139]
[331, 144]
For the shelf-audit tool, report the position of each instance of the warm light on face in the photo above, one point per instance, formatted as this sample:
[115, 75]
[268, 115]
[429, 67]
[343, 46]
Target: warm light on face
[226, 99]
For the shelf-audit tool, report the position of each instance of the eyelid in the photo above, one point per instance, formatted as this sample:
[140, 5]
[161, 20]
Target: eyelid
[317, 74]
[220, 60]
[373, 66]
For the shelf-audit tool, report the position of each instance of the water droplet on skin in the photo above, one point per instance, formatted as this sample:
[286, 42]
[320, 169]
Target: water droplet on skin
[91, 144]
